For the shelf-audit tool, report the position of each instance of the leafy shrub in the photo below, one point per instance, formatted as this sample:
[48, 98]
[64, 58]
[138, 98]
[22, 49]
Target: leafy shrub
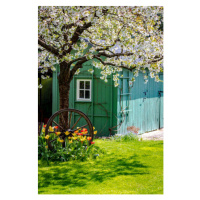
[125, 138]
[76, 148]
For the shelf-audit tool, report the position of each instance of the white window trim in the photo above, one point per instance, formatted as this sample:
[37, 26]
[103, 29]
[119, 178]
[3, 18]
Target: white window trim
[78, 88]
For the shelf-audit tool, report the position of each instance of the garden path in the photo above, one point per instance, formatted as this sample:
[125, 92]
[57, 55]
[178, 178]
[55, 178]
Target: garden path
[153, 135]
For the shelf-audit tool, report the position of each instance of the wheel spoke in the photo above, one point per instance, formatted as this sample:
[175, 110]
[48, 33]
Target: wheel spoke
[53, 140]
[76, 122]
[58, 125]
[67, 122]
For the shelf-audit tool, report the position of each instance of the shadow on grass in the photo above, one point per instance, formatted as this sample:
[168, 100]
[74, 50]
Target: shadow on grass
[81, 174]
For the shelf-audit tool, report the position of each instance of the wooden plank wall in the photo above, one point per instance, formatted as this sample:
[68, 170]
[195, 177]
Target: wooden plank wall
[145, 105]
[101, 110]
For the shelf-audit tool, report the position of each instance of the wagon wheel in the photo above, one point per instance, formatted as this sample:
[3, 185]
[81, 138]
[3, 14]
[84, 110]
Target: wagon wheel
[67, 120]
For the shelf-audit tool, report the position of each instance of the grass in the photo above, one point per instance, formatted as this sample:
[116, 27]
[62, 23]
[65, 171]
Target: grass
[127, 167]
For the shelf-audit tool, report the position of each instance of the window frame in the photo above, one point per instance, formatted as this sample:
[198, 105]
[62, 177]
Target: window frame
[78, 89]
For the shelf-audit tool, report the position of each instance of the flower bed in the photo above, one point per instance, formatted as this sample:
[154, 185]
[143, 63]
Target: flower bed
[77, 147]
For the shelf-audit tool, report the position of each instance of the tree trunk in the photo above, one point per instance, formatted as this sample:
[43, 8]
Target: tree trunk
[64, 87]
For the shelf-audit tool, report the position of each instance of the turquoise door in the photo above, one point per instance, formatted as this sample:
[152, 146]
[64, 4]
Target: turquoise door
[143, 104]
[161, 110]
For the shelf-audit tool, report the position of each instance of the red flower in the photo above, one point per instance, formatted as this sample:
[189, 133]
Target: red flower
[92, 142]
[56, 127]
[79, 133]
[44, 125]
[84, 129]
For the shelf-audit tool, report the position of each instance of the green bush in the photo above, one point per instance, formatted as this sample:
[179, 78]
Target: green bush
[125, 138]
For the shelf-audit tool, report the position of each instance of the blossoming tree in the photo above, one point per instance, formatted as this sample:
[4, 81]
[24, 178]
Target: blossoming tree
[121, 37]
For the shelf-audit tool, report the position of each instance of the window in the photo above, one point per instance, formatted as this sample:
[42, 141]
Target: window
[84, 90]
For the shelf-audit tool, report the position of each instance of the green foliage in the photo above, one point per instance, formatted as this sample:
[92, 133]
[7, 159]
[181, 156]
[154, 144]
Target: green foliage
[125, 138]
[76, 150]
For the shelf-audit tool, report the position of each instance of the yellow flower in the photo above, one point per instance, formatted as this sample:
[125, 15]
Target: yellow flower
[58, 133]
[69, 138]
[58, 139]
[95, 132]
[43, 130]
[51, 129]
[46, 137]
[46, 147]
[70, 141]
[61, 140]
[93, 127]
[74, 138]
[82, 139]
[67, 133]
[74, 134]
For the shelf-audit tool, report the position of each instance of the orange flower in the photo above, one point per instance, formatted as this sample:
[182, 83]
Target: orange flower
[76, 131]
[56, 127]
[89, 138]
[92, 142]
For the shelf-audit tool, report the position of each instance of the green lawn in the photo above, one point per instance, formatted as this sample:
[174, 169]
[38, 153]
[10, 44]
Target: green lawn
[134, 167]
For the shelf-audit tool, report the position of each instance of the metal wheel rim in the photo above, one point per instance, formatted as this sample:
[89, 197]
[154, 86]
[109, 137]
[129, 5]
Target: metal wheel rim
[56, 114]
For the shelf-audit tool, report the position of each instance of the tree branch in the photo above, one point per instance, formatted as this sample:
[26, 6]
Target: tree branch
[114, 55]
[154, 61]
[77, 66]
[108, 63]
[49, 48]
[77, 59]
[79, 30]
[106, 47]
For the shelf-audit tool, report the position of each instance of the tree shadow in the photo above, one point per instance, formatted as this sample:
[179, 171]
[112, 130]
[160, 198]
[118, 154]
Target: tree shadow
[79, 174]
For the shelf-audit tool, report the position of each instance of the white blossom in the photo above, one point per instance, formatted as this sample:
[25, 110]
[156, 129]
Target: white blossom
[91, 71]
[40, 86]
[135, 31]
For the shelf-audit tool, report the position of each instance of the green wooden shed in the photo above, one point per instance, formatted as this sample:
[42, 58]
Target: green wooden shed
[130, 107]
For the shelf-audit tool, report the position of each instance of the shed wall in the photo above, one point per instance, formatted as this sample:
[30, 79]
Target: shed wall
[142, 104]
[102, 109]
